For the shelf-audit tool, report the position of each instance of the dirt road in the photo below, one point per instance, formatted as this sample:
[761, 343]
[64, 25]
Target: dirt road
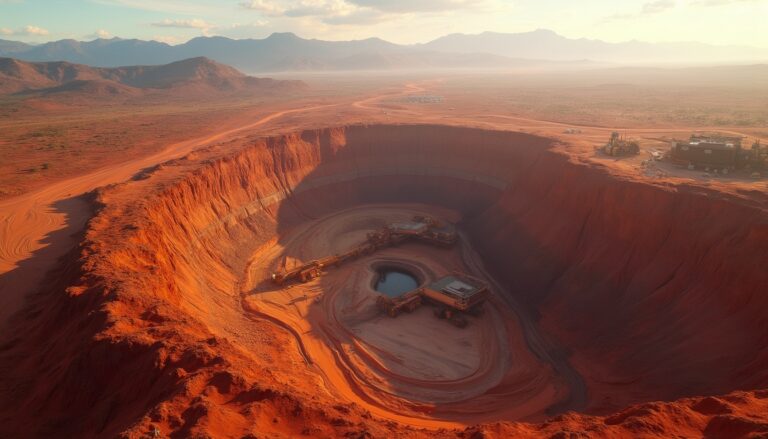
[42, 223]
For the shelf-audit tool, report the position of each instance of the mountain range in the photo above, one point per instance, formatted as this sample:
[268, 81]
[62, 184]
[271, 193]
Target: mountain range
[288, 52]
[194, 75]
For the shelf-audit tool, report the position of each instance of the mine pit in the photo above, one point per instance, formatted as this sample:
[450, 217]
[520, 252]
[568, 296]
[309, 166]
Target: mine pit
[592, 298]
[406, 359]
[533, 227]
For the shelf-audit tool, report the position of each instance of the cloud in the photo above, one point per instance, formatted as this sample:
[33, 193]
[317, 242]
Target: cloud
[34, 30]
[253, 24]
[268, 7]
[721, 2]
[329, 12]
[649, 8]
[194, 23]
[658, 6]
[352, 13]
[406, 6]
[172, 6]
[300, 8]
[167, 39]
[28, 31]
[357, 17]
[101, 33]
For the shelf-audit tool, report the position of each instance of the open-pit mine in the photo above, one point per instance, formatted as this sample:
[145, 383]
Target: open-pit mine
[397, 280]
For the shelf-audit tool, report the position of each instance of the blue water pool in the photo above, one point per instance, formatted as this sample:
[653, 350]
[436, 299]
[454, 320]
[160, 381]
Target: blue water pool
[394, 282]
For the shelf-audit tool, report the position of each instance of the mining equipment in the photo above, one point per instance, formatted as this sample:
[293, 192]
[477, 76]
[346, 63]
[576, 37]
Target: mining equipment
[306, 272]
[393, 306]
[454, 297]
[621, 146]
[426, 229]
[422, 228]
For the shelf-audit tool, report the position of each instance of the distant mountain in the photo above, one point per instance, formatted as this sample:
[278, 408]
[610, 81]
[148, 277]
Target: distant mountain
[278, 52]
[113, 52]
[10, 47]
[545, 44]
[200, 75]
[288, 52]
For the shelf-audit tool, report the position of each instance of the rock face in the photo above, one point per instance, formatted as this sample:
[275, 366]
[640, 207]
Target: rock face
[656, 292]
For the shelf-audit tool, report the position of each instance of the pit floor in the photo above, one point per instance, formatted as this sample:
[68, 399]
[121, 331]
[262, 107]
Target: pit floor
[412, 366]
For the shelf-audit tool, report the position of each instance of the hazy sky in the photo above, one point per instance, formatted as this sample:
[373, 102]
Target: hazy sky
[741, 22]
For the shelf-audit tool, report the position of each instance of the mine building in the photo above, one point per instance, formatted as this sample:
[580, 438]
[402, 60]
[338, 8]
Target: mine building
[459, 291]
[454, 296]
[710, 152]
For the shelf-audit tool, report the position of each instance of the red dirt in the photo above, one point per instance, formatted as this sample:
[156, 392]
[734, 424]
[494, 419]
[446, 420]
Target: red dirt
[615, 292]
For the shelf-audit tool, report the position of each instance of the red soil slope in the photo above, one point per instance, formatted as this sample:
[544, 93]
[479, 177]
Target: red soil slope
[654, 291]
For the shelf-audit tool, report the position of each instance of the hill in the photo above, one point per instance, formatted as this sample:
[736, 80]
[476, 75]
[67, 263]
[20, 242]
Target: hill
[10, 47]
[195, 74]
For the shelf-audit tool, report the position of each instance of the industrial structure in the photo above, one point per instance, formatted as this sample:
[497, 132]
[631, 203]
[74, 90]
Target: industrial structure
[407, 302]
[421, 228]
[758, 157]
[453, 296]
[711, 151]
[426, 229]
[620, 146]
[459, 291]
[719, 153]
